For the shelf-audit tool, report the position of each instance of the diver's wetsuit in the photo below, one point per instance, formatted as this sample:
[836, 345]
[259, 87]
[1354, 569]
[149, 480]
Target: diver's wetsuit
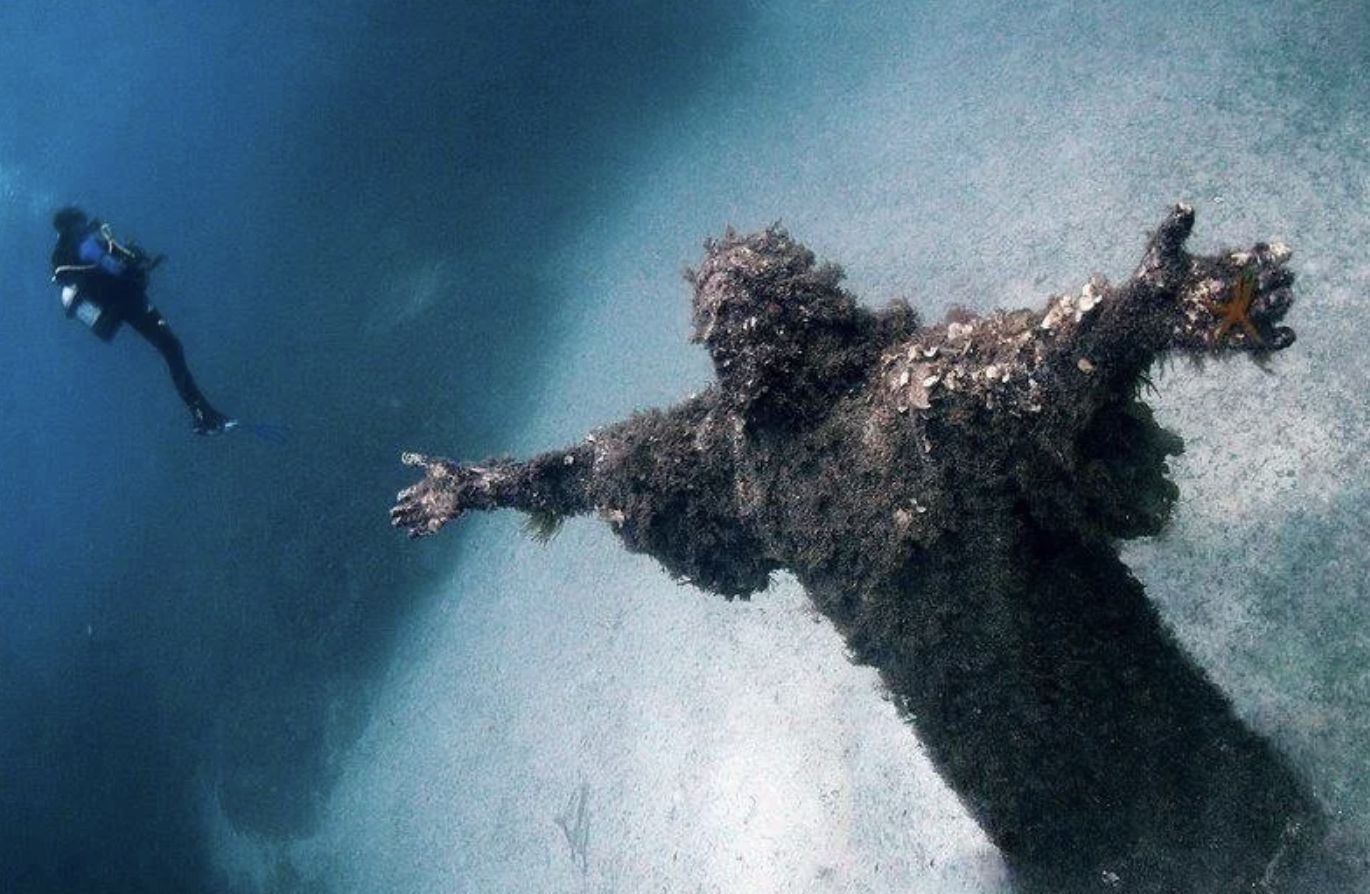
[116, 282]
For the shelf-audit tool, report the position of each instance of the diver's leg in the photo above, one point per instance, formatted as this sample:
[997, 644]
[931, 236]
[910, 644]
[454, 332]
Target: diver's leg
[153, 327]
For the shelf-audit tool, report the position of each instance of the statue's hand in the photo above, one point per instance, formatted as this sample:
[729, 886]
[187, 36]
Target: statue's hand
[1233, 302]
[444, 494]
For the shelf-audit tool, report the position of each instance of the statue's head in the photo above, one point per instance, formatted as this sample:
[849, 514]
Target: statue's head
[767, 312]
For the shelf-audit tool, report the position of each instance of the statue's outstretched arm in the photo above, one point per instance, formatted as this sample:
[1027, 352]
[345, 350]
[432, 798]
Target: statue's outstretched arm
[1232, 301]
[1084, 349]
[551, 484]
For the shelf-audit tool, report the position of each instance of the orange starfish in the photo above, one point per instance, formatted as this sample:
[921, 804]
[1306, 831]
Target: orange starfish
[1237, 312]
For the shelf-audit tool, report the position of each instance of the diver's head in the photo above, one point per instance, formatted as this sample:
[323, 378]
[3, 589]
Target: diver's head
[69, 218]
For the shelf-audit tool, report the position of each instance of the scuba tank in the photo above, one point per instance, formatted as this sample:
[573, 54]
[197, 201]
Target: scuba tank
[100, 321]
[137, 265]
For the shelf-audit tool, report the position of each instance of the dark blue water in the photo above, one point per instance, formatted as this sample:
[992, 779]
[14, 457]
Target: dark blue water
[182, 617]
[378, 216]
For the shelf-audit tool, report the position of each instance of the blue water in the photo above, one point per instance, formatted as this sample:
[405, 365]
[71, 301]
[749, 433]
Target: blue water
[459, 228]
[180, 615]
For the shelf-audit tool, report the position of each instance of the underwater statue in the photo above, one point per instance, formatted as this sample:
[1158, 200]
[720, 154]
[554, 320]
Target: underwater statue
[952, 497]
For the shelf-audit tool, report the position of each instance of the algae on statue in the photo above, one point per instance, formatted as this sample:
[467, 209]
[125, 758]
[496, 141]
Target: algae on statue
[951, 496]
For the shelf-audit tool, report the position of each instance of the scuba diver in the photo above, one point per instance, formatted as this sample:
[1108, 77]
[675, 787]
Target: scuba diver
[104, 284]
